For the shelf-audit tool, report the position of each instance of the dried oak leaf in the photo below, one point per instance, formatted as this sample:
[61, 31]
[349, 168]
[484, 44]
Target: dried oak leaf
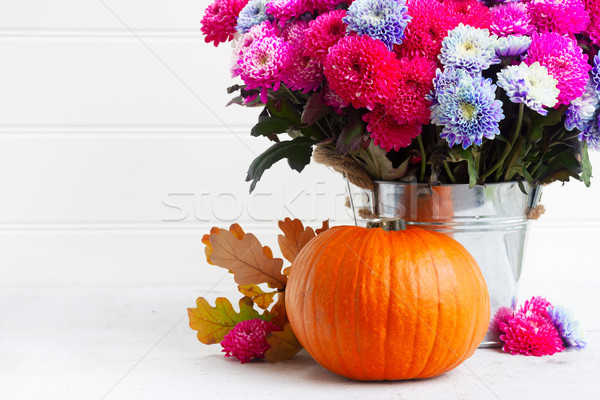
[234, 229]
[244, 256]
[278, 314]
[323, 228]
[213, 323]
[258, 296]
[284, 345]
[295, 237]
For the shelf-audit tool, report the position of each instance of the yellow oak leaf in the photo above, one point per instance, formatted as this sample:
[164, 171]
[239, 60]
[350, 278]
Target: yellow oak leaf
[244, 256]
[258, 296]
[294, 237]
[284, 345]
[213, 323]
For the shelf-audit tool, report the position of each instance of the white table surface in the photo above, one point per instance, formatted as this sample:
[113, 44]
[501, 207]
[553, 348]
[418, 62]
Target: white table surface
[135, 343]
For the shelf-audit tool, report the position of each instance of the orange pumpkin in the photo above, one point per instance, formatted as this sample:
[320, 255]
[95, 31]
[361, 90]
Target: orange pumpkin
[370, 304]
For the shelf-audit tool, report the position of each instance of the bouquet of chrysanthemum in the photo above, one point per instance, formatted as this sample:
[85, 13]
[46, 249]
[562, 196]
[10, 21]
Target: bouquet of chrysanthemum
[441, 90]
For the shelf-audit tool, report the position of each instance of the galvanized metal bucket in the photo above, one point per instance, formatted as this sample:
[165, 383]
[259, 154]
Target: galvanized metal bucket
[489, 221]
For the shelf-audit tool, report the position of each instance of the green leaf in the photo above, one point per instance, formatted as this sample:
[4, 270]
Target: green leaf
[539, 122]
[352, 136]
[315, 109]
[586, 175]
[378, 166]
[467, 154]
[269, 126]
[297, 151]
[213, 323]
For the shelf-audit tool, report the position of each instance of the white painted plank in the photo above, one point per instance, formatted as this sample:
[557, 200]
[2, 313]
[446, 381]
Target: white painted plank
[160, 179]
[96, 14]
[176, 257]
[117, 82]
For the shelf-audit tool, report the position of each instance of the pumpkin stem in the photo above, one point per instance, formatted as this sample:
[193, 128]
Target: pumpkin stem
[389, 225]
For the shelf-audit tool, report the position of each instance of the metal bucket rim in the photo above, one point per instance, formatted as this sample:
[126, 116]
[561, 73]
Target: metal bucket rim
[455, 185]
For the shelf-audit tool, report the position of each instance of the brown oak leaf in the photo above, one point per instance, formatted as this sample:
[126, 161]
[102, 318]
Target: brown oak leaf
[213, 323]
[323, 228]
[278, 314]
[259, 297]
[244, 256]
[295, 237]
[284, 345]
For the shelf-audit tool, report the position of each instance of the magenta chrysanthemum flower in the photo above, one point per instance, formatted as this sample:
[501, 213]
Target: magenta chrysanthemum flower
[530, 335]
[563, 17]
[324, 32]
[429, 26]
[284, 10]
[248, 340]
[263, 63]
[302, 72]
[409, 105]
[332, 99]
[265, 29]
[593, 31]
[362, 71]
[323, 6]
[469, 12]
[220, 19]
[293, 31]
[565, 62]
[511, 19]
[387, 133]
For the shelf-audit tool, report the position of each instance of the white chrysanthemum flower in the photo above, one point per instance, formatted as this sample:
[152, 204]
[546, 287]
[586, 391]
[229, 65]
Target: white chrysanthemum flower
[531, 85]
[510, 46]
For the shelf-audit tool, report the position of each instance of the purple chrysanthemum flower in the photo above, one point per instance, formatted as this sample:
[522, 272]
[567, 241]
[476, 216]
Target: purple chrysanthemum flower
[263, 63]
[511, 19]
[443, 80]
[531, 85]
[596, 74]
[468, 48]
[511, 46]
[582, 109]
[259, 31]
[469, 111]
[591, 132]
[302, 72]
[568, 327]
[380, 19]
[563, 17]
[252, 14]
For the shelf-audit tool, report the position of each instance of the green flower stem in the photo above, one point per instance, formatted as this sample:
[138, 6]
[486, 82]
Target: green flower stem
[449, 172]
[423, 158]
[513, 140]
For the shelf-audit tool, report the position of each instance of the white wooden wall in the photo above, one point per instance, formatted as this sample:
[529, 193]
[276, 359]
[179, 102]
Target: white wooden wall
[117, 154]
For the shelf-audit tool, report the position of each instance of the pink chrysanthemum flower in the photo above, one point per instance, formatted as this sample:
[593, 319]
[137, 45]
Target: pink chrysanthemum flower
[332, 99]
[284, 10]
[323, 32]
[563, 17]
[263, 63]
[265, 29]
[530, 335]
[409, 105]
[593, 31]
[565, 62]
[501, 316]
[387, 133]
[429, 26]
[220, 19]
[248, 340]
[362, 71]
[469, 12]
[302, 72]
[293, 31]
[537, 305]
[511, 19]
